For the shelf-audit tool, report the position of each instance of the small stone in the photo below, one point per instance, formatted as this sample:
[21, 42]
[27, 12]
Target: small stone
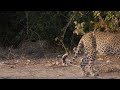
[108, 61]
[57, 62]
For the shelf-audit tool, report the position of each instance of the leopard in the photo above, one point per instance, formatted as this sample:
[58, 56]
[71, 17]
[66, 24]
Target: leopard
[93, 43]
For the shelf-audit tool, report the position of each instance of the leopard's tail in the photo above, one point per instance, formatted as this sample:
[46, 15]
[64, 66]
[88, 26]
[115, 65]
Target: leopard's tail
[78, 50]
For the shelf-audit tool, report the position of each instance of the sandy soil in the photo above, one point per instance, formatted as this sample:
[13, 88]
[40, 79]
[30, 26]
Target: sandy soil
[109, 68]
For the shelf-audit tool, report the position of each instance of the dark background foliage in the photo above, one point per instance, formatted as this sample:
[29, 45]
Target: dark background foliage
[19, 26]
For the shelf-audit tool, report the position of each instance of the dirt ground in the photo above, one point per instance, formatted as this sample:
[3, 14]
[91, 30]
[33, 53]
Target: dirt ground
[108, 67]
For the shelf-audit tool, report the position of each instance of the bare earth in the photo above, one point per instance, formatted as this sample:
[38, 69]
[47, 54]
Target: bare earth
[109, 68]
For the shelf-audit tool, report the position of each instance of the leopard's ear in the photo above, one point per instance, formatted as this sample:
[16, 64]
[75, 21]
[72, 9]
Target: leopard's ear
[93, 33]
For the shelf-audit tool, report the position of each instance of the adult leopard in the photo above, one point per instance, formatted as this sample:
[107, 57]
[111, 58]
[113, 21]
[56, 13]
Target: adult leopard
[103, 43]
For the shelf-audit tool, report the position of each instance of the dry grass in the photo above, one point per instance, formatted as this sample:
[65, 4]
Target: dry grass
[37, 61]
